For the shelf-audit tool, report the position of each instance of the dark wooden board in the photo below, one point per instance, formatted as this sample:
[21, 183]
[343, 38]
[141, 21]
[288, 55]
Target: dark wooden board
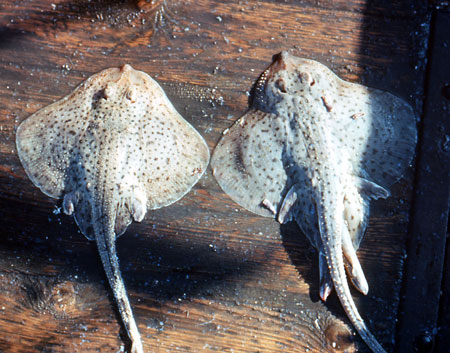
[202, 274]
[425, 310]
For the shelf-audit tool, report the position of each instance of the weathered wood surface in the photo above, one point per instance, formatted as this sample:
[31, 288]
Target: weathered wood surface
[202, 274]
[425, 308]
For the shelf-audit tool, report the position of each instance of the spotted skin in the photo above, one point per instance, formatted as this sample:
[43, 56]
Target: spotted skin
[315, 149]
[112, 149]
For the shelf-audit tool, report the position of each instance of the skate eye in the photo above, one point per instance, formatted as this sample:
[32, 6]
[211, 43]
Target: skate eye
[280, 85]
[306, 78]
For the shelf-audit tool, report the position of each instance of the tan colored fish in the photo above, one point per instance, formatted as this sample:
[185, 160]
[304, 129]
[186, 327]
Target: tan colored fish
[113, 148]
[318, 149]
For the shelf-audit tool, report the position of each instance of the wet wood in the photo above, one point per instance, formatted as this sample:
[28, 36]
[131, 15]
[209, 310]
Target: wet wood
[424, 309]
[202, 274]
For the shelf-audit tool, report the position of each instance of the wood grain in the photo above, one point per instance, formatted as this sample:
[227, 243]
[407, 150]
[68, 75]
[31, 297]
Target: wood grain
[202, 274]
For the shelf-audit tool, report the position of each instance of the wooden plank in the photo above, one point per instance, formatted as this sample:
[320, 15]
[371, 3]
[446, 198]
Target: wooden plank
[202, 274]
[443, 328]
[429, 226]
